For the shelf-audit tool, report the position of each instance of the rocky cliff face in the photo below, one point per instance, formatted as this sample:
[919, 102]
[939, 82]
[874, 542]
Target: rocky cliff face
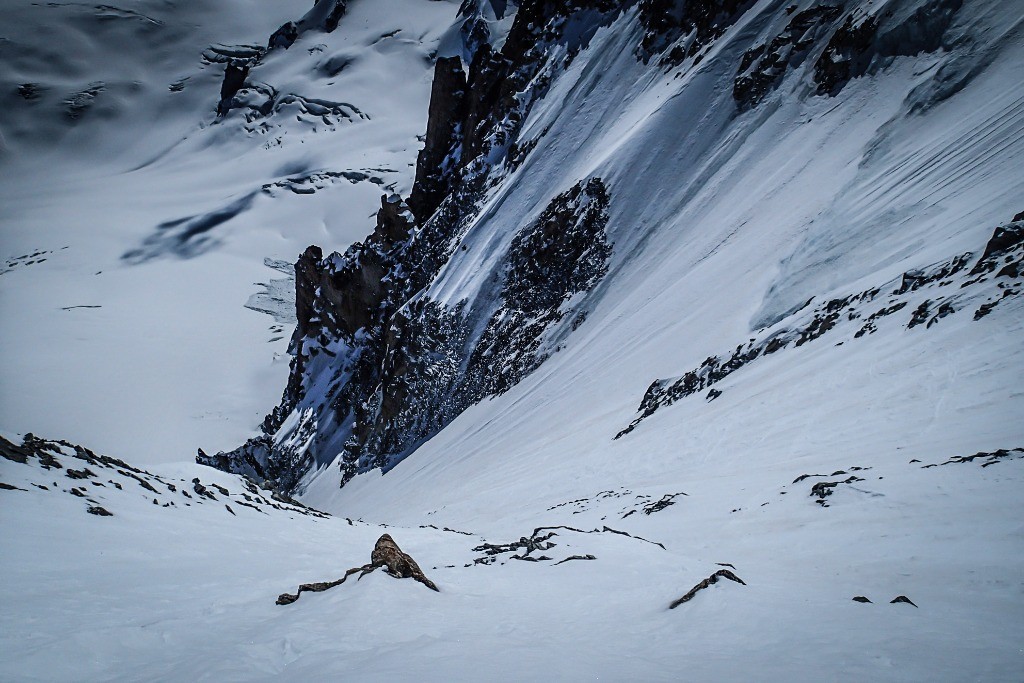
[378, 365]
[381, 363]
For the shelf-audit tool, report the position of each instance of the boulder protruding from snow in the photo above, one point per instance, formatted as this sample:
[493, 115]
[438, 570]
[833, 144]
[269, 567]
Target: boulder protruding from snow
[386, 555]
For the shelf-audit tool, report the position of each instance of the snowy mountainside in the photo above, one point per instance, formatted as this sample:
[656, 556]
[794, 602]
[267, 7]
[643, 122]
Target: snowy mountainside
[843, 142]
[147, 216]
[678, 339]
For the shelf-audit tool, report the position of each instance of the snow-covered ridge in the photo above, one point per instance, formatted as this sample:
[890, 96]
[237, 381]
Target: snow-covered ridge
[181, 576]
[942, 290]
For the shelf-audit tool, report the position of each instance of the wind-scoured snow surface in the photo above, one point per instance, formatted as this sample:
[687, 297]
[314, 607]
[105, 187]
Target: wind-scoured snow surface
[833, 468]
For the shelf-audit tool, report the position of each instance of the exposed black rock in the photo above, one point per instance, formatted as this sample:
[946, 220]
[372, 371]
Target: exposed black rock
[869, 324]
[684, 26]
[860, 598]
[823, 489]
[867, 43]
[763, 66]
[988, 458]
[453, 531]
[235, 73]
[920, 315]
[386, 555]
[525, 558]
[77, 104]
[664, 502]
[312, 182]
[1007, 240]
[284, 36]
[846, 55]
[13, 452]
[1004, 251]
[563, 253]
[325, 16]
[528, 545]
[261, 98]
[538, 542]
[901, 598]
[411, 366]
[30, 91]
[332, 12]
[99, 511]
[711, 580]
[641, 502]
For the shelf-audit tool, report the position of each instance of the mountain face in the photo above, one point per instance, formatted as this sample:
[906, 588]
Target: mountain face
[656, 340]
[562, 155]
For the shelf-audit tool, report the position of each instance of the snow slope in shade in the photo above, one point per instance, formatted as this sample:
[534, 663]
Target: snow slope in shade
[156, 353]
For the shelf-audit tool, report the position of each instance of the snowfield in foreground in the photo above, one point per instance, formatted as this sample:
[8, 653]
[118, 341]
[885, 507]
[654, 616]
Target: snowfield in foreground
[188, 591]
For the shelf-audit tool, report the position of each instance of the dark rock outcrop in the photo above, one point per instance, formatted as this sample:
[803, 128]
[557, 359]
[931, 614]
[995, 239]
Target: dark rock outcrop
[986, 458]
[846, 55]
[576, 557]
[711, 580]
[378, 365]
[410, 368]
[1005, 241]
[903, 599]
[538, 542]
[866, 43]
[446, 113]
[37, 457]
[30, 91]
[261, 99]
[664, 502]
[386, 555]
[823, 489]
[235, 74]
[77, 104]
[685, 26]
[284, 36]
[763, 66]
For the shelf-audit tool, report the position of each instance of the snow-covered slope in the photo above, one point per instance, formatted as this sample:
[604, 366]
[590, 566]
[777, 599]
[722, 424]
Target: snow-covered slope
[173, 585]
[693, 286]
[605, 185]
